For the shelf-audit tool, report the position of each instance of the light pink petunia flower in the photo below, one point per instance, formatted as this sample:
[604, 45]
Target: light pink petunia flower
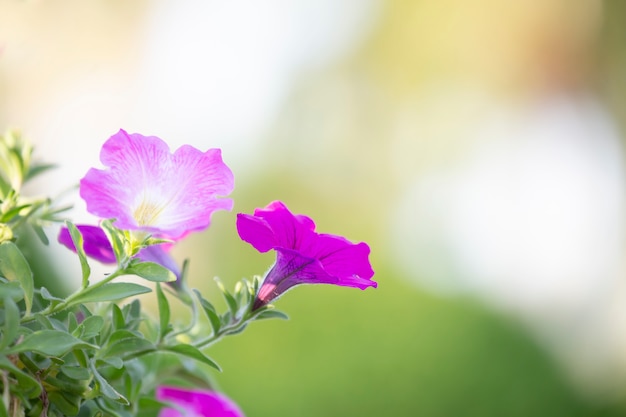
[147, 188]
[302, 255]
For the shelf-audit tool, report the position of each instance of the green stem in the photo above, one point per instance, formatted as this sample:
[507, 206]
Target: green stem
[216, 336]
[68, 302]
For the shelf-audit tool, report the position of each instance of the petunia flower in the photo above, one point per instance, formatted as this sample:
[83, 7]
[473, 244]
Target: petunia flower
[147, 188]
[97, 246]
[196, 403]
[302, 255]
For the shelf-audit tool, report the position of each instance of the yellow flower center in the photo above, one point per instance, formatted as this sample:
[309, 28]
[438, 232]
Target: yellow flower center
[147, 213]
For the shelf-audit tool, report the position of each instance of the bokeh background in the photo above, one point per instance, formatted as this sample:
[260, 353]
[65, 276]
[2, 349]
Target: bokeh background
[476, 145]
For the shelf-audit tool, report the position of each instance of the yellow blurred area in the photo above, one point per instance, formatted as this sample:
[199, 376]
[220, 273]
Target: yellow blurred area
[502, 45]
[474, 144]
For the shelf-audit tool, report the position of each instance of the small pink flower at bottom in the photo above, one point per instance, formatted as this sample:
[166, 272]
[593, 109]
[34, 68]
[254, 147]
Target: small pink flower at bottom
[302, 255]
[196, 403]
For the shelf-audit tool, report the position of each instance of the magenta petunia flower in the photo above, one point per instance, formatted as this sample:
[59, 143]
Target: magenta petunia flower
[302, 255]
[95, 243]
[196, 403]
[147, 188]
[97, 246]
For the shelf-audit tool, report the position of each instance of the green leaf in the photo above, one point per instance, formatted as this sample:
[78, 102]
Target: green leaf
[132, 311]
[90, 327]
[210, 311]
[192, 352]
[67, 385]
[122, 334]
[76, 372]
[29, 386]
[150, 405]
[50, 343]
[151, 271]
[13, 266]
[10, 214]
[44, 321]
[66, 403]
[230, 300]
[150, 240]
[11, 323]
[113, 361]
[12, 290]
[128, 346]
[164, 312]
[40, 233]
[105, 388]
[117, 317]
[77, 238]
[72, 322]
[110, 292]
[45, 294]
[271, 314]
[115, 237]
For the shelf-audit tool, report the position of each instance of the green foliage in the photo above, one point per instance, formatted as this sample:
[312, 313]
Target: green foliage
[96, 351]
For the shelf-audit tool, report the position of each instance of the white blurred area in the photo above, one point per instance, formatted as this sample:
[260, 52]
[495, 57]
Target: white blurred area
[204, 72]
[525, 210]
[531, 220]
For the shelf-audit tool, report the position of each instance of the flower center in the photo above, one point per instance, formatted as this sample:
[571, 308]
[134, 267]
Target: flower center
[147, 213]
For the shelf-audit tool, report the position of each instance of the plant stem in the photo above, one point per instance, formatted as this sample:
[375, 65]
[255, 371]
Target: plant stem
[68, 302]
[233, 328]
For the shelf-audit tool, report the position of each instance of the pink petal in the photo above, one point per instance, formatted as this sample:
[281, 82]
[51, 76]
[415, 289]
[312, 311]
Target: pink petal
[196, 402]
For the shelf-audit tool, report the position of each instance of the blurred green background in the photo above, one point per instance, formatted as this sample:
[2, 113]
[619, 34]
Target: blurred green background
[334, 108]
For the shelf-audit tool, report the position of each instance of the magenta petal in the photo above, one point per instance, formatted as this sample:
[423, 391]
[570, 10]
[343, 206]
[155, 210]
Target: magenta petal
[146, 187]
[342, 258]
[196, 403]
[95, 243]
[256, 232]
[290, 231]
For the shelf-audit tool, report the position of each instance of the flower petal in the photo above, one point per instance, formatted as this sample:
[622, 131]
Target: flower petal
[289, 230]
[256, 232]
[343, 259]
[196, 403]
[95, 243]
[146, 187]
